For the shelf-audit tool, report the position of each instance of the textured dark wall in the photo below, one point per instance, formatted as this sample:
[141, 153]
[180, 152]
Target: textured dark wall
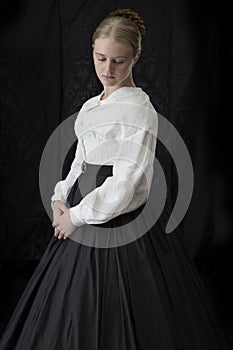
[30, 85]
[47, 73]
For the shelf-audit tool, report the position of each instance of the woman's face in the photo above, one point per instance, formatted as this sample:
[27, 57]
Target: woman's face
[113, 62]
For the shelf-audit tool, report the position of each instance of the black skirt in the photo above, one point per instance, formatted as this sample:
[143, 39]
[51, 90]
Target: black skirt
[144, 295]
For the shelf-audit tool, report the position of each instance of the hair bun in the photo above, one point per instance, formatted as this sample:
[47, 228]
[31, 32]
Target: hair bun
[133, 16]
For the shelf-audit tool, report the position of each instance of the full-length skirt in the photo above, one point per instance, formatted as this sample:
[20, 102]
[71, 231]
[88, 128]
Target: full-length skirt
[144, 295]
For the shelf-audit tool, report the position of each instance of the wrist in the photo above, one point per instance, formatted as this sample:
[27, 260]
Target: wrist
[56, 203]
[59, 204]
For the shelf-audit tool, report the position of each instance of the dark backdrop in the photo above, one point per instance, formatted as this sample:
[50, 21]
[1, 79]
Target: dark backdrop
[47, 73]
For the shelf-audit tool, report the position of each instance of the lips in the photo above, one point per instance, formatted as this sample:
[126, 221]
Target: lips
[107, 77]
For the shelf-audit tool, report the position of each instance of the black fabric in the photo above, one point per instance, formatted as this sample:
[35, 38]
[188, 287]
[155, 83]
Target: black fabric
[143, 295]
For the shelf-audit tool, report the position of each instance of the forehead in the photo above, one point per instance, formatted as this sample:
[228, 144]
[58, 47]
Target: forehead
[112, 48]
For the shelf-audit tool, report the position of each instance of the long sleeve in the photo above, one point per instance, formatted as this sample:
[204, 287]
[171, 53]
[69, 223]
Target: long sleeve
[63, 187]
[128, 187]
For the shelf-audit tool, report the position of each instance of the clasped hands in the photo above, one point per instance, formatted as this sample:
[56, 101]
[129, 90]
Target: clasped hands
[63, 227]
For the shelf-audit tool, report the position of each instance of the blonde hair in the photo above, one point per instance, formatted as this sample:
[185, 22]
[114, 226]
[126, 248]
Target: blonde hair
[122, 25]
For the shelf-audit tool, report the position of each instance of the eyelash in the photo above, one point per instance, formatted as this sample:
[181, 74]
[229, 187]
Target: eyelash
[103, 59]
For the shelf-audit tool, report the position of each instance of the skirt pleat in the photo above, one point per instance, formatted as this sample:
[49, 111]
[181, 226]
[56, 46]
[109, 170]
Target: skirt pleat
[144, 295]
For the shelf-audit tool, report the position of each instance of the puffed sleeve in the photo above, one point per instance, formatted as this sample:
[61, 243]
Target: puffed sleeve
[128, 187]
[63, 187]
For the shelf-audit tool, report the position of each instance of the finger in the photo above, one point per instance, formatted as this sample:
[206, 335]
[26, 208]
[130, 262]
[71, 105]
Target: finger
[56, 231]
[56, 225]
[60, 235]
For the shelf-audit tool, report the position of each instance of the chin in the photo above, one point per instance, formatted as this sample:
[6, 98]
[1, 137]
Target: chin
[108, 83]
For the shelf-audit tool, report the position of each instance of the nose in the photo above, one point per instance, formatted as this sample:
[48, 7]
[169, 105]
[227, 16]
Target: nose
[109, 68]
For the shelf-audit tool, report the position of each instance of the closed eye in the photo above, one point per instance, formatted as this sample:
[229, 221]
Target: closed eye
[104, 59]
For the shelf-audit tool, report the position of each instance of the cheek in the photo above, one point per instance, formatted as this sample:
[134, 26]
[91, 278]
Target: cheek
[97, 67]
[126, 70]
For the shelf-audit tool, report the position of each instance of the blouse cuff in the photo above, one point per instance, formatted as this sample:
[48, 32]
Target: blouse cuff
[75, 219]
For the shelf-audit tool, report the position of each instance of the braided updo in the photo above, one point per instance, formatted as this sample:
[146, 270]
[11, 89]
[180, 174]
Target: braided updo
[133, 16]
[122, 25]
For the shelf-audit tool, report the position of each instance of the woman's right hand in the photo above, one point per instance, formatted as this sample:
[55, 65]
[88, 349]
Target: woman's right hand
[58, 209]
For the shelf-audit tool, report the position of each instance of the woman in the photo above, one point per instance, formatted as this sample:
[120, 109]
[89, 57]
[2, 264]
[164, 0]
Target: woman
[91, 291]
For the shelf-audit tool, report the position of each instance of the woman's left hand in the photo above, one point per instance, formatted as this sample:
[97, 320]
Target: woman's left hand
[64, 226]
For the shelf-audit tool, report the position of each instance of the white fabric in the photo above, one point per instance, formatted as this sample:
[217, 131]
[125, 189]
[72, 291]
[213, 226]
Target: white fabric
[122, 131]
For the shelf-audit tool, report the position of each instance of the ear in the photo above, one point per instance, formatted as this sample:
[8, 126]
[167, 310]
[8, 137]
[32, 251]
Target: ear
[136, 58]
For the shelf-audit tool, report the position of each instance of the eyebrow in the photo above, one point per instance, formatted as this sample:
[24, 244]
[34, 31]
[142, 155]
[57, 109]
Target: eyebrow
[98, 53]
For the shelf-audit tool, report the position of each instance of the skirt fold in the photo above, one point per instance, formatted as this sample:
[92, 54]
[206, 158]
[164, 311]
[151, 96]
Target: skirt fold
[144, 295]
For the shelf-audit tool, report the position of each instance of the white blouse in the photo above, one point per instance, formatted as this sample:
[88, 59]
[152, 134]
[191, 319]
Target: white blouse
[120, 130]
